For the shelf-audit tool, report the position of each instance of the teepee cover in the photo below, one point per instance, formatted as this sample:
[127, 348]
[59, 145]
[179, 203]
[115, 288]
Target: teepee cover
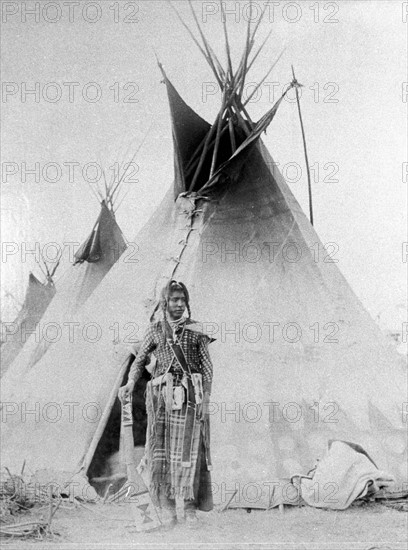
[94, 259]
[38, 297]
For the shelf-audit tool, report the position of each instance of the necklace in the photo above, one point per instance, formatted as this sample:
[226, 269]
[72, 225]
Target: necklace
[176, 326]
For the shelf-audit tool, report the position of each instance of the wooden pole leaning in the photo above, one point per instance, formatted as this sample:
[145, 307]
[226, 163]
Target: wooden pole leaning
[309, 182]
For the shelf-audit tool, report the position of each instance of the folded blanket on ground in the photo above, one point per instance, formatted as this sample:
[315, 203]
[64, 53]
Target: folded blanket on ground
[344, 474]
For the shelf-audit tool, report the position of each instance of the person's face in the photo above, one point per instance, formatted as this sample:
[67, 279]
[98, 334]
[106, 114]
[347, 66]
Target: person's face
[176, 305]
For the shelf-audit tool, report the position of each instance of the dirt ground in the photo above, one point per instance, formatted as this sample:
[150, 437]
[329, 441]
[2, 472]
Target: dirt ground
[368, 526]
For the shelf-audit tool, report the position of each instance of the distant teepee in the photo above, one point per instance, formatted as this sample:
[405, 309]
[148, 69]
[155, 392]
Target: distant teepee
[37, 299]
[102, 248]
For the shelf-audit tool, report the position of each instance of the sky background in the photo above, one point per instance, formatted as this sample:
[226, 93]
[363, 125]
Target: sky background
[350, 56]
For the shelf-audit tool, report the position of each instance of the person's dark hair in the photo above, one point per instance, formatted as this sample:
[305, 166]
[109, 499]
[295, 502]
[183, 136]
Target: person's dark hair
[173, 286]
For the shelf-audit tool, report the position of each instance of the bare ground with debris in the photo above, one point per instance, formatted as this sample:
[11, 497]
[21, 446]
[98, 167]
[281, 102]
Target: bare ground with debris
[368, 526]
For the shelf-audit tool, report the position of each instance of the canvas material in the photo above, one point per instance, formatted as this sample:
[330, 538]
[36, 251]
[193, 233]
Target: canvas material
[342, 476]
[287, 398]
[37, 299]
[73, 289]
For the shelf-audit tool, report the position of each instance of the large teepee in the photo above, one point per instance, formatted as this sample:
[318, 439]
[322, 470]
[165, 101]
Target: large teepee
[297, 359]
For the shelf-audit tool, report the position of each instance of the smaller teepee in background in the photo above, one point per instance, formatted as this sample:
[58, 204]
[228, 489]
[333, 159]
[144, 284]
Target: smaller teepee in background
[94, 258]
[10, 307]
[37, 299]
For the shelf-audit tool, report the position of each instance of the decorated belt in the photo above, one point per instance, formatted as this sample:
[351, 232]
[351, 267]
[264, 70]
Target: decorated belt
[177, 377]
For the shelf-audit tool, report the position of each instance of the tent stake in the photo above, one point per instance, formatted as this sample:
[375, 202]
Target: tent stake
[225, 507]
[309, 183]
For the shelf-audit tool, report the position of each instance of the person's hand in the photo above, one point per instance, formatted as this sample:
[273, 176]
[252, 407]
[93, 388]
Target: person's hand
[126, 391]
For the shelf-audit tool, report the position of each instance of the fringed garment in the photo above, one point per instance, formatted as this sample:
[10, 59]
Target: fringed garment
[164, 443]
[167, 429]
